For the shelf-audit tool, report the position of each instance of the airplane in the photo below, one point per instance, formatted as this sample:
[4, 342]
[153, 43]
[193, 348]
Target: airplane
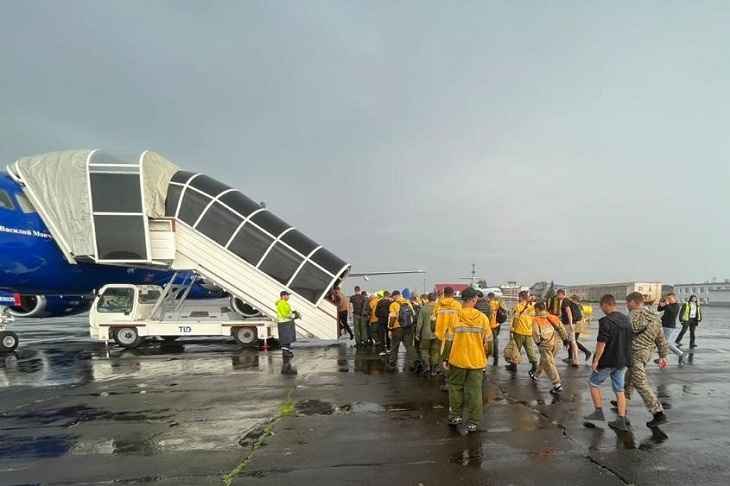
[36, 280]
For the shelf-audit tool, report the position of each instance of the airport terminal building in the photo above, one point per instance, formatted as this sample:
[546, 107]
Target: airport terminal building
[714, 293]
[592, 293]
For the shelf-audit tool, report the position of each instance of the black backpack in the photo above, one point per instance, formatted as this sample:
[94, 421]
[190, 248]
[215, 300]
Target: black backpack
[501, 315]
[382, 310]
[405, 316]
[576, 310]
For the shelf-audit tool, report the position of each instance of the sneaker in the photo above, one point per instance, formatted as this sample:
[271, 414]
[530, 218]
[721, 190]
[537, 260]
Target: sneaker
[567, 360]
[532, 375]
[471, 427]
[556, 389]
[382, 353]
[288, 370]
[656, 361]
[454, 420]
[681, 357]
[511, 367]
[692, 346]
[619, 424]
[597, 416]
[659, 418]
[588, 356]
[614, 403]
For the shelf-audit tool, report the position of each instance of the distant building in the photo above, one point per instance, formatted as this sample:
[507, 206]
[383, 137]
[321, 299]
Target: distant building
[457, 287]
[714, 293]
[651, 291]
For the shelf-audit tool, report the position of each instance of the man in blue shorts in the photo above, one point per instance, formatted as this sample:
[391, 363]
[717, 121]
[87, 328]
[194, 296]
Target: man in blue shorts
[612, 358]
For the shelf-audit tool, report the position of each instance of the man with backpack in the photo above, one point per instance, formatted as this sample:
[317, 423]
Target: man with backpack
[400, 326]
[382, 311]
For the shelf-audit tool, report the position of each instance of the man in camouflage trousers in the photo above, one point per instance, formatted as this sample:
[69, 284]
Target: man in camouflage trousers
[647, 334]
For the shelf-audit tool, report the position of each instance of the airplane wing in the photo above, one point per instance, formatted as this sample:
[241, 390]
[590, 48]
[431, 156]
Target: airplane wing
[366, 275]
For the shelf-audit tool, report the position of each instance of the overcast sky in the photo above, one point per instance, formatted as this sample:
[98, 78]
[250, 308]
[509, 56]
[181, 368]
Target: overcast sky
[580, 142]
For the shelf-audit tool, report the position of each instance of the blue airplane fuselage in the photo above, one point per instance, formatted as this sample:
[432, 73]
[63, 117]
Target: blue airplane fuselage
[32, 263]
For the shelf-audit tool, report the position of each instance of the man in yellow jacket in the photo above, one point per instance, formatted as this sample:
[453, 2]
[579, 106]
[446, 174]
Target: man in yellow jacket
[466, 345]
[447, 314]
[521, 329]
[495, 305]
[401, 325]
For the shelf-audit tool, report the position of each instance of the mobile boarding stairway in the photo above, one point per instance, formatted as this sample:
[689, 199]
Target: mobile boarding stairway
[142, 210]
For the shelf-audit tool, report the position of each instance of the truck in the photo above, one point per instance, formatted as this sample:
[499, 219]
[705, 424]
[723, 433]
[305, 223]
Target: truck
[129, 313]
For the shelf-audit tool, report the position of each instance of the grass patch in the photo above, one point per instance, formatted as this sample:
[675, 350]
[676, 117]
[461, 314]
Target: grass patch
[287, 408]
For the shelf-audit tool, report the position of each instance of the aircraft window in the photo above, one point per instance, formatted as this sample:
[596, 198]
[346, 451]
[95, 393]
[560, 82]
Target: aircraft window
[5, 201]
[149, 297]
[25, 205]
[116, 300]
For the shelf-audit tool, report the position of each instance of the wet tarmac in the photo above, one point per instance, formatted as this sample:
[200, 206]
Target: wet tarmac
[202, 412]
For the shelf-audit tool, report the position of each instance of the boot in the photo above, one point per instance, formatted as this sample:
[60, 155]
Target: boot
[659, 418]
[534, 367]
[511, 367]
[286, 368]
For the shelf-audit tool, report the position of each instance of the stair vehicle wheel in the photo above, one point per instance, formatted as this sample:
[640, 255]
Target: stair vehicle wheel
[8, 341]
[246, 336]
[127, 337]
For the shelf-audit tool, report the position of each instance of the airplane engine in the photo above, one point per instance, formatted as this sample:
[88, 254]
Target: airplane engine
[48, 305]
[243, 308]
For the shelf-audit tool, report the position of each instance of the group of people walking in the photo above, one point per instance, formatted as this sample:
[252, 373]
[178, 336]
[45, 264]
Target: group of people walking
[444, 335]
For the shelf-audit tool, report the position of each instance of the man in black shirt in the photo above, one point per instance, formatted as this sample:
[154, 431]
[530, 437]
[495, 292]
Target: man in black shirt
[613, 356]
[670, 310]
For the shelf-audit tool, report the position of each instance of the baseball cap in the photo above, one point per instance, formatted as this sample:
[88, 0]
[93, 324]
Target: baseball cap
[283, 293]
[469, 293]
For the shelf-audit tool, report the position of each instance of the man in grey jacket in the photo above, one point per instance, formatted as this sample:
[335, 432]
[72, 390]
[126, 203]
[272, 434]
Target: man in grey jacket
[647, 335]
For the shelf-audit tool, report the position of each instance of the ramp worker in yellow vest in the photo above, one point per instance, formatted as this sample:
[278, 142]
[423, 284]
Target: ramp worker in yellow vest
[466, 345]
[287, 331]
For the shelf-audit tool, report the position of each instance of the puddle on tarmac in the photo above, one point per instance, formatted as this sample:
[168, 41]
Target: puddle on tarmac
[37, 447]
[318, 407]
[72, 416]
